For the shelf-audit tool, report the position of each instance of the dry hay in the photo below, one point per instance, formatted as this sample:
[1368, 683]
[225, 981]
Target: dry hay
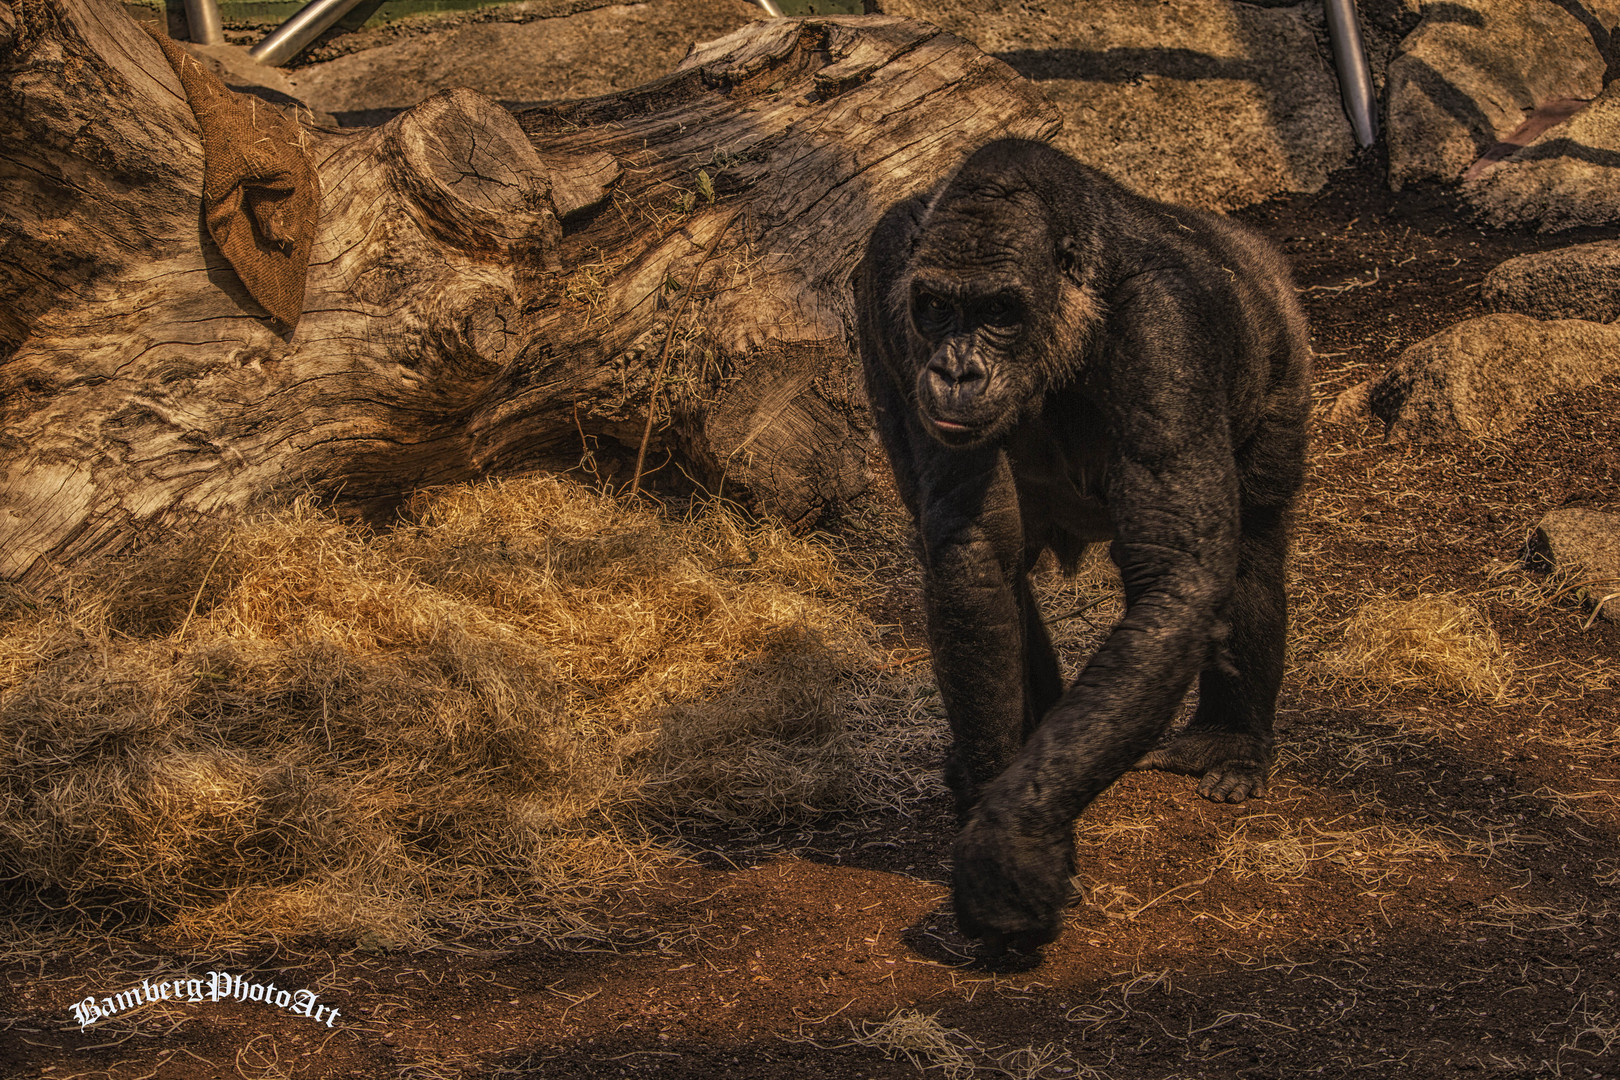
[290, 726]
[923, 1041]
[1432, 642]
[1273, 849]
[1080, 605]
[928, 1044]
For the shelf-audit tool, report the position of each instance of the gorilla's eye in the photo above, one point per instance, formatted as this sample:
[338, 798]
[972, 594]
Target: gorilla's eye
[933, 311]
[999, 311]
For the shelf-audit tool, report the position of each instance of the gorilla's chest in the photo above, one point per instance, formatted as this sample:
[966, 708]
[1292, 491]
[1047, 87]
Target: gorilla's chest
[1058, 460]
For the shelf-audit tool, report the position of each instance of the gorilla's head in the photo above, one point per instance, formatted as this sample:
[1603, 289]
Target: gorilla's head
[996, 299]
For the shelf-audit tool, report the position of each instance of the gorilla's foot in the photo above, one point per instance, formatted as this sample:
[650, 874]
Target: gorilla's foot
[1010, 889]
[1233, 766]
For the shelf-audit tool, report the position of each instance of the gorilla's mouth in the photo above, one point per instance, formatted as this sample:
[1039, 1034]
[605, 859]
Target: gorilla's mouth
[953, 432]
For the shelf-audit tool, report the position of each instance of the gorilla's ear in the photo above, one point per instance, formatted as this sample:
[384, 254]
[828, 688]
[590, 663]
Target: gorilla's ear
[1068, 260]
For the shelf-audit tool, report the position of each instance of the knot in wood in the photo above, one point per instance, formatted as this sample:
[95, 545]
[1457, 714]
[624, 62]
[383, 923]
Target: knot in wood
[472, 334]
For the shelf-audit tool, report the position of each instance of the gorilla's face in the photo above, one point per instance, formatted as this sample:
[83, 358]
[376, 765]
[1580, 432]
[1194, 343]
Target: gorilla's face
[988, 305]
[970, 389]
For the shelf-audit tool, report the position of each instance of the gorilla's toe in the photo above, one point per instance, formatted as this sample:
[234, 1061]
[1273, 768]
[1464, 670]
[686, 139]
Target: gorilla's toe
[1234, 781]
[1233, 766]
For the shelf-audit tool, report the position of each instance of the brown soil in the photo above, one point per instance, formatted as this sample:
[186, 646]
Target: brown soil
[1430, 889]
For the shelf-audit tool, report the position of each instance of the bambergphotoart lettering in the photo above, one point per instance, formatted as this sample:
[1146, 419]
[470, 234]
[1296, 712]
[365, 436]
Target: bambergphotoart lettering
[218, 986]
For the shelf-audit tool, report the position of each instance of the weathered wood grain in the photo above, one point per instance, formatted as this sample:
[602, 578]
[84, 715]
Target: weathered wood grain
[484, 291]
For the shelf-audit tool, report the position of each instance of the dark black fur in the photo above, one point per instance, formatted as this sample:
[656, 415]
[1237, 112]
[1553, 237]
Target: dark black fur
[1054, 361]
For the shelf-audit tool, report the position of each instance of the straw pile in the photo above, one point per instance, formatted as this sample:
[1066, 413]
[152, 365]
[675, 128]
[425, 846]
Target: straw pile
[290, 727]
[1431, 642]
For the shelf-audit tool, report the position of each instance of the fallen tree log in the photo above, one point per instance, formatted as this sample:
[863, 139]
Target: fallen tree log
[486, 294]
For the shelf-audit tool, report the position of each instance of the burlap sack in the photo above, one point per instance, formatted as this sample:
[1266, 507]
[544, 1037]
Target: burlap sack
[261, 195]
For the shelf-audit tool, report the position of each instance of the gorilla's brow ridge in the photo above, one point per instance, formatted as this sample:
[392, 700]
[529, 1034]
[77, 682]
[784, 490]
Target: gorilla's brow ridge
[973, 240]
[971, 283]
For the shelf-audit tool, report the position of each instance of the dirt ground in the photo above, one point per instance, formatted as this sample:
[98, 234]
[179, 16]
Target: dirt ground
[1430, 890]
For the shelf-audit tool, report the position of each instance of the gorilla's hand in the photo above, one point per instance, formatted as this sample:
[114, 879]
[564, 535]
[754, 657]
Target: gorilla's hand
[1011, 885]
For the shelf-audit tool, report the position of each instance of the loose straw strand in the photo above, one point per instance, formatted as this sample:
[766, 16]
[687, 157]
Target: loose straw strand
[669, 340]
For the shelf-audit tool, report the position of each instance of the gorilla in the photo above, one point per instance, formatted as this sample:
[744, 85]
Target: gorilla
[1053, 361]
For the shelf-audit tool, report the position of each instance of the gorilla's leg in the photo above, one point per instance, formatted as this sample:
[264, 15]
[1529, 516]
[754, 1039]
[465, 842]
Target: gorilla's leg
[1043, 678]
[1229, 742]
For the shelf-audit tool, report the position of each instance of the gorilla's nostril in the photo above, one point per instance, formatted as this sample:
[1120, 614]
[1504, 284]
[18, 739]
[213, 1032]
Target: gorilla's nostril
[957, 376]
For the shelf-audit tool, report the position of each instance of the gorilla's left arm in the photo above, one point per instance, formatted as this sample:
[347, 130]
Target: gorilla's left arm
[1172, 490]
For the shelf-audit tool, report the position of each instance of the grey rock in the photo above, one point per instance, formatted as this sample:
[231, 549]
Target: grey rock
[1577, 282]
[519, 54]
[1567, 177]
[1204, 102]
[1483, 376]
[1466, 77]
[1583, 545]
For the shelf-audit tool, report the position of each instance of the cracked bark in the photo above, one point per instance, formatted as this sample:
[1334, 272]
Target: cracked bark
[487, 294]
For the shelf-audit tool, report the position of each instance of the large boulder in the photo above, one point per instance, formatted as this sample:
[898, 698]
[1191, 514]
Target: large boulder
[1565, 178]
[1577, 282]
[1466, 77]
[1482, 377]
[1583, 545]
[1205, 102]
[518, 54]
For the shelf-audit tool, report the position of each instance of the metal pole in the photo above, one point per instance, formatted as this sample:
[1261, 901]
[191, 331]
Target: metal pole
[293, 36]
[202, 22]
[1355, 78]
